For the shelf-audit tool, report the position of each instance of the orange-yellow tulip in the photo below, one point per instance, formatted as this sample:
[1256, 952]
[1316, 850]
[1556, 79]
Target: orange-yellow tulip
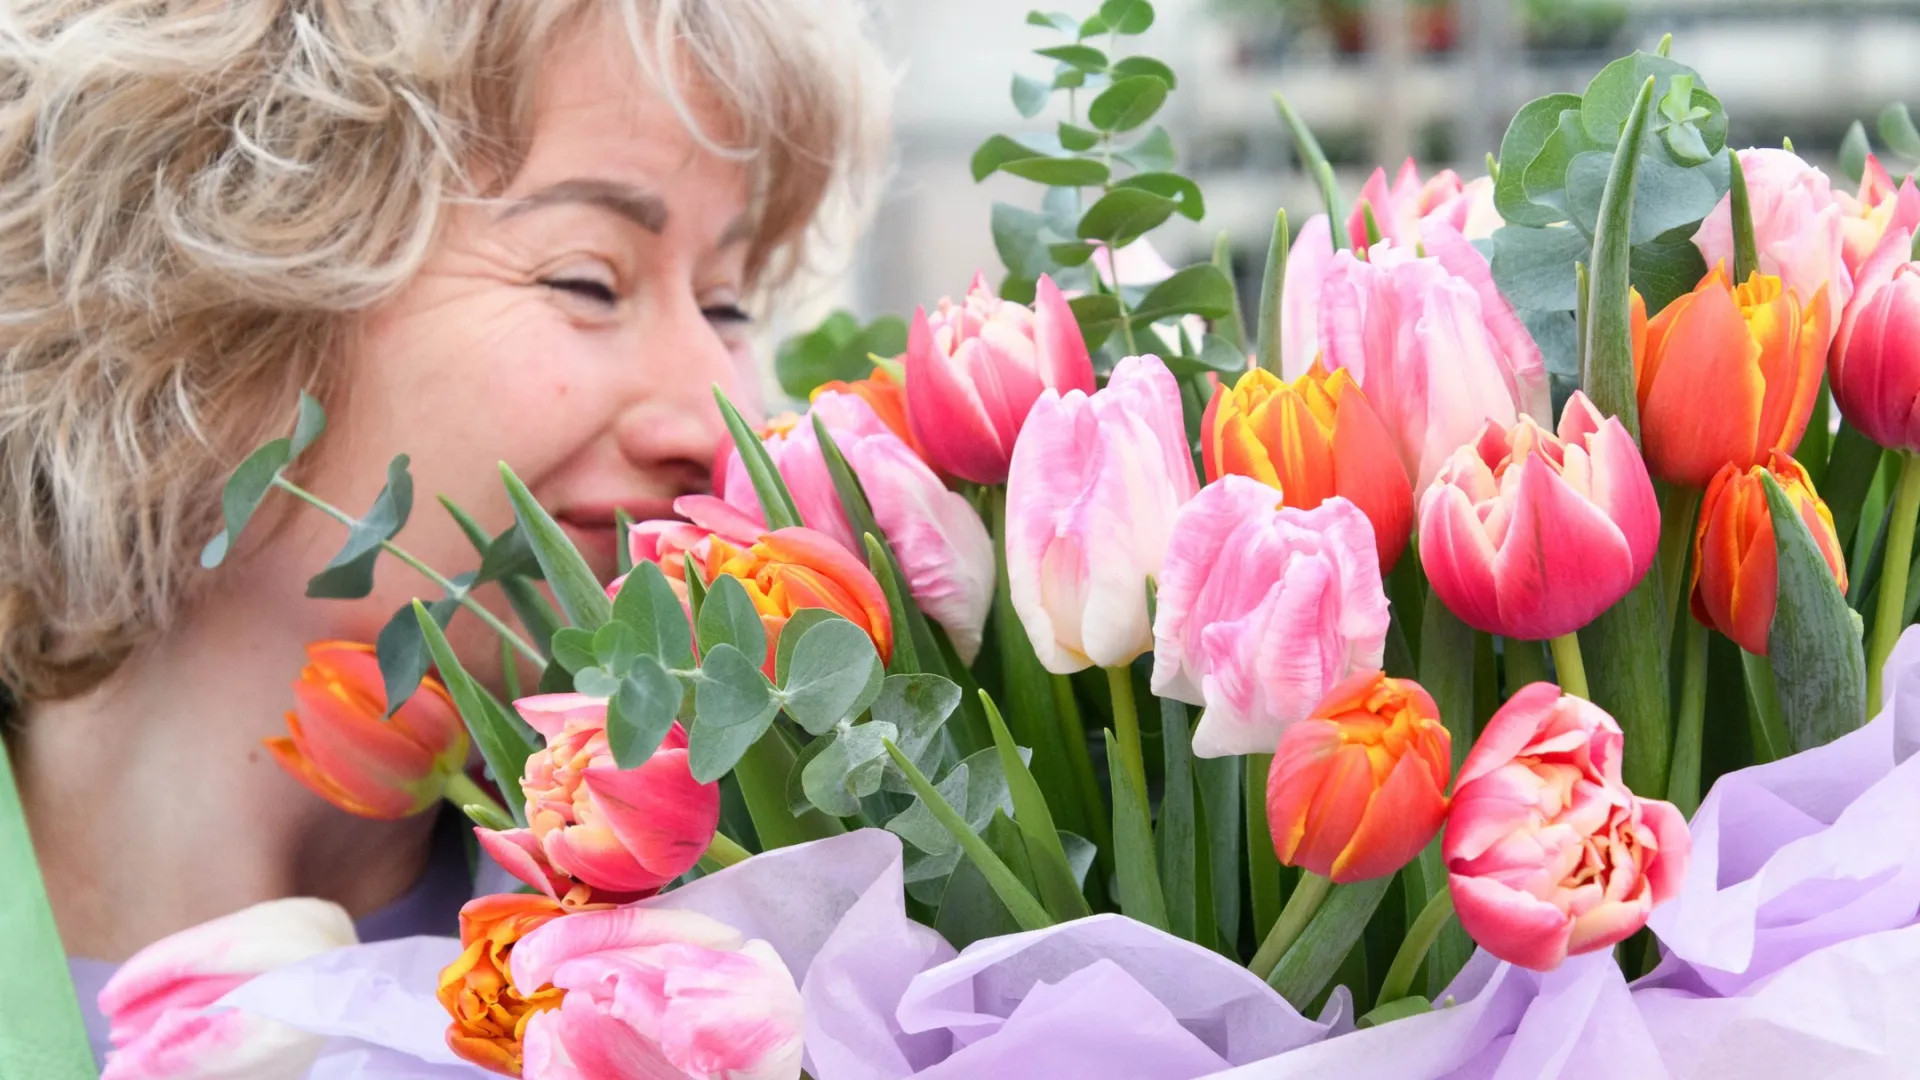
[1359, 788]
[1312, 438]
[343, 746]
[1735, 573]
[489, 1012]
[794, 568]
[1728, 374]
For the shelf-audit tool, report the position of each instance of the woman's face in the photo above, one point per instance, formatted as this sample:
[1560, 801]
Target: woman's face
[575, 329]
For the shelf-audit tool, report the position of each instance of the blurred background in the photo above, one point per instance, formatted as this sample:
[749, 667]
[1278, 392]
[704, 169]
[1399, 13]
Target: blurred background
[1377, 80]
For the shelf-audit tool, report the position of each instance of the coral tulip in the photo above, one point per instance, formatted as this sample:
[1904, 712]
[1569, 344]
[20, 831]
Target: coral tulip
[655, 992]
[1091, 497]
[490, 1012]
[1880, 206]
[1548, 853]
[1312, 438]
[974, 370]
[942, 544]
[1735, 576]
[1262, 610]
[1399, 210]
[342, 745]
[1756, 352]
[1359, 787]
[1437, 349]
[597, 832]
[160, 1003]
[1875, 364]
[1529, 535]
[668, 542]
[1797, 230]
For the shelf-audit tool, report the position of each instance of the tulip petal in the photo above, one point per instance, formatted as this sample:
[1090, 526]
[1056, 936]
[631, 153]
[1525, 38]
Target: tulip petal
[1510, 924]
[1403, 817]
[1309, 259]
[1563, 561]
[538, 955]
[519, 854]
[946, 412]
[1058, 344]
[662, 816]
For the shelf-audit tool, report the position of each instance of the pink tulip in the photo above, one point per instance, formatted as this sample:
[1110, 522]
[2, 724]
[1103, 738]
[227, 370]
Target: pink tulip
[1309, 258]
[666, 542]
[657, 993]
[1091, 497]
[1880, 206]
[1432, 342]
[1531, 536]
[1399, 210]
[1797, 229]
[1262, 609]
[597, 832]
[1875, 363]
[161, 1005]
[1548, 854]
[942, 544]
[974, 370]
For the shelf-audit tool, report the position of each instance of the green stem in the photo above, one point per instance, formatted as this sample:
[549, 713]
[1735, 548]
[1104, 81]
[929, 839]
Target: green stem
[1305, 900]
[1263, 866]
[466, 600]
[726, 851]
[1126, 729]
[1573, 671]
[1683, 777]
[1763, 700]
[462, 792]
[1678, 508]
[1893, 579]
[1083, 775]
[1413, 949]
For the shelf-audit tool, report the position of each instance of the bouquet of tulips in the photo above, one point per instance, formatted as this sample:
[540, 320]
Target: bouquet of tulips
[1105, 687]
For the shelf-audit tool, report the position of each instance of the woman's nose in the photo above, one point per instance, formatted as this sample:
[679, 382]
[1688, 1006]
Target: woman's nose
[673, 428]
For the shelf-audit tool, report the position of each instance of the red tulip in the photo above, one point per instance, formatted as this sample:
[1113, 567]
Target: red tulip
[1875, 364]
[1735, 577]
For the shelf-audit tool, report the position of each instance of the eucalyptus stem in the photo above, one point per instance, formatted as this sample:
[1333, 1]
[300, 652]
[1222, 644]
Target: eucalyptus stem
[1683, 778]
[1893, 579]
[1306, 899]
[474, 801]
[463, 596]
[1572, 670]
[1413, 949]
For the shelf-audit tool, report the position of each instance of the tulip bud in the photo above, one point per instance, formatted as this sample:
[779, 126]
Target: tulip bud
[1757, 352]
[1312, 438]
[490, 1012]
[974, 370]
[1359, 787]
[1879, 207]
[343, 747]
[1875, 364]
[1735, 576]
[1796, 229]
[1548, 853]
[1528, 535]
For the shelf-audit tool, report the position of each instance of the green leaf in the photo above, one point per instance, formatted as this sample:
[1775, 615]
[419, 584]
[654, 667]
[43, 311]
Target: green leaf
[508, 555]
[1083, 57]
[1091, 26]
[1176, 832]
[650, 607]
[728, 617]
[1526, 138]
[1030, 95]
[906, 653]
[733, 707]
[829, 675]
[917, 706]
[1152, 153]
[1025, 909]
[1814, 643]
[849, 769]
[1098, 314]
[997, 151]
[1316, 954]
[1897, 130]
[1058, 20]
[840, 348]
[504, 743]
[1314, 160]
[1266, 349]
[1173, 186]
[1127, 103]
[580, 595]
[402, 651]
[1052, 874]
[1124, 214]
[1614, 95]
[596, 681]
[1073, 254]
[1854, 148]
[1058, 172]
[1196, 290]
[1607, 359]
[1021, 237]
[573, 648]
[1218, 782]
[41, 1032]
[1534, 267]
[1127, 16]
[1746, 259]
[350, 575]
[242, 495]
[1666, 268]
[1667, 197]
[796, 628]
[1850, 471]
[776, 502]
[1068, 77]
[1076, 138]
[1217, 356]
[640, 714]
[1141, 896]
[309, 421]
[1130, 66]
[614, 647]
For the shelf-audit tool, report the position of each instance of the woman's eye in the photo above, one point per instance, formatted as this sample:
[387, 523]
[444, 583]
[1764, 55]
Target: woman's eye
[598, 291]
[728, 314]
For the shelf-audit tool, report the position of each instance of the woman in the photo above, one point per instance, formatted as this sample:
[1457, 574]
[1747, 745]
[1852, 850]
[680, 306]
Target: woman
[485, 230]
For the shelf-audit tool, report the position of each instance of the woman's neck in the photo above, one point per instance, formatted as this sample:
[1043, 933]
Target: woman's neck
[154, 807]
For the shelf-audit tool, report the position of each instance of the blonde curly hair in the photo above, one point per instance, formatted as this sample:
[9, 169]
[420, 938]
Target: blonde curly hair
[194, 194]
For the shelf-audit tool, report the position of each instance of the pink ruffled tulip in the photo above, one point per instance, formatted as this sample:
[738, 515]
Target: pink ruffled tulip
[1875, 363]
[1880, 206]
[974, 370]
[1529, 535]
[1548, 854]
[1797, 228]
[597, 832]
[160, 1003]
[942, 544]
[1399, 210]
[657, 993]
[1092, 493]
[1433, 343]
[1309, 258]
[1262, 609]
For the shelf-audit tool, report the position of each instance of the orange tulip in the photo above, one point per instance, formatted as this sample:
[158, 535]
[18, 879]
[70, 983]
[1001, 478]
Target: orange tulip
[1313, 438]
[794, 568]
[1359, 788]
[1735, 575]
[1728, 374]
[489, 1012]
[343, 746]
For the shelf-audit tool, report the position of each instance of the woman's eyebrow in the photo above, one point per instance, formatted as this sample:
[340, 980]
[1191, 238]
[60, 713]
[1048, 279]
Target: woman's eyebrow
[634, 203]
